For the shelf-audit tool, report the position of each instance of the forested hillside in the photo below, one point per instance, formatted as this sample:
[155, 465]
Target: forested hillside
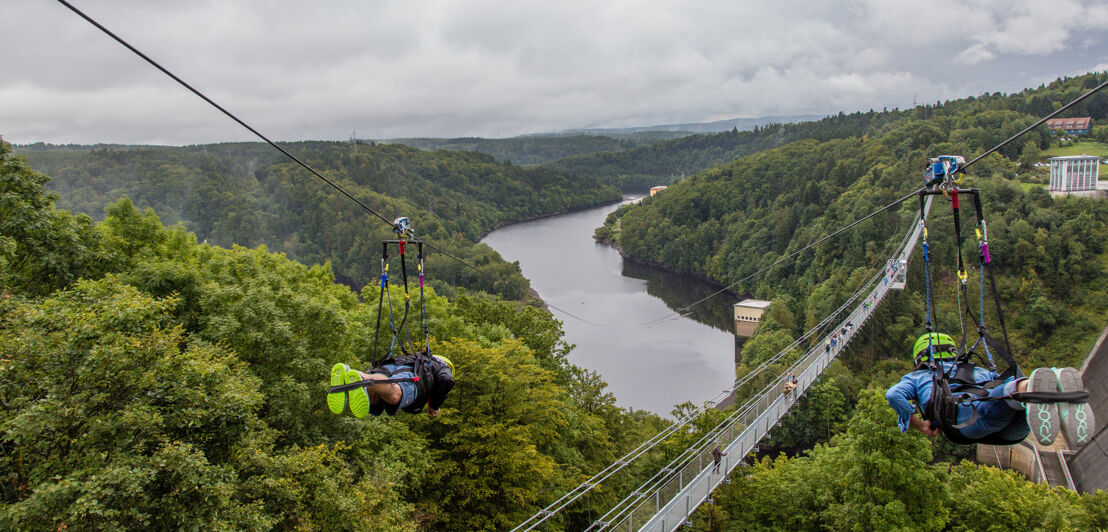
[730, 221]
[665, 162]
[248, 194]
[538, 149]
[149, 382]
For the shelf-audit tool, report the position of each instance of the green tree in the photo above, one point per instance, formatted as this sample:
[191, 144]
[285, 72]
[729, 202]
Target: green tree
[113, 421]
[43, 249]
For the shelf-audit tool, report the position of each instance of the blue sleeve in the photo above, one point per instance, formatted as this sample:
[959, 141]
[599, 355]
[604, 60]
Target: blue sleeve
[899, 396]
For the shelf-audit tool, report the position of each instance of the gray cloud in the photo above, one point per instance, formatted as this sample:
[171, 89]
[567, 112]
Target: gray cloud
[447, 68]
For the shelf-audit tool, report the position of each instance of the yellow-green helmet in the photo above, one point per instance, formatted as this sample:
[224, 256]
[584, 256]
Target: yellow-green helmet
[942, 344]
[447, 362]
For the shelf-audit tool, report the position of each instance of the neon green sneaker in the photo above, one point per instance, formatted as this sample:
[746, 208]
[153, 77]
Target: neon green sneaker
[1043, 417]
[359, 398]
[1078, 423]
[337, 401]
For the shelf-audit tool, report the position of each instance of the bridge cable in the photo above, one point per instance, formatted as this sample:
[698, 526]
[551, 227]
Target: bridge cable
[789, 256]
[587, 486]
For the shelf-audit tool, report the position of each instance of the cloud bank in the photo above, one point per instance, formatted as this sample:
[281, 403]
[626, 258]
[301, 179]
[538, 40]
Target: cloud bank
[389, 68]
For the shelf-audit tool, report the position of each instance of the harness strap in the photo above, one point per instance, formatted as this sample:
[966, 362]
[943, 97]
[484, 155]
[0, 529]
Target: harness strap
[381, 297]
[367, 383]
[1049, 397]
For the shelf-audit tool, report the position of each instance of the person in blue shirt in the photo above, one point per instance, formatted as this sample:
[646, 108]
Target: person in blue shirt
[1007, 418]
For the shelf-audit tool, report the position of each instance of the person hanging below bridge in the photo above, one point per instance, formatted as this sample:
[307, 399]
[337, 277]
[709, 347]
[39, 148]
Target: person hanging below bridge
[980, 407]
[406, 382]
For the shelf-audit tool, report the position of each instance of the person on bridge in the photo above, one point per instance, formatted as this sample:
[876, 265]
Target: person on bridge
[1002, 415]
[717, 457]
[406, 382]
[790, 384]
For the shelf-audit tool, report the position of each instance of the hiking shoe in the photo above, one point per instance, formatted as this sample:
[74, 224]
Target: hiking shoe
[359, 398]
[1078, 423]
[1043, 417]
[337, 401]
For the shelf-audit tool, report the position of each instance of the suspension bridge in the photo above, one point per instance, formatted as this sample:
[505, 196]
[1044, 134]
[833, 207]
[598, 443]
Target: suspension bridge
[667, 500]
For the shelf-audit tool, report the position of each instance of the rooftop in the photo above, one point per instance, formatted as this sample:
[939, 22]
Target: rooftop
[754, 303]
[1073, 157]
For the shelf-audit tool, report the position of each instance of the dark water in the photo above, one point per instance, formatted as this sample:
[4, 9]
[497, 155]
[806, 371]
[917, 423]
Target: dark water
[648, 364]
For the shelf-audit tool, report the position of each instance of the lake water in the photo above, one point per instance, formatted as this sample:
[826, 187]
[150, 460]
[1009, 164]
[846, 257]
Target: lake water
[648, 364]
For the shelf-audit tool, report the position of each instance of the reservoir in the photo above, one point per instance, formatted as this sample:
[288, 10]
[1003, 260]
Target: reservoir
[617, 308]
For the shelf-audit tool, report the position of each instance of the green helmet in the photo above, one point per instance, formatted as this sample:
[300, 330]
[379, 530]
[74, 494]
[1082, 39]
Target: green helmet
[447, 362]
[944, 346]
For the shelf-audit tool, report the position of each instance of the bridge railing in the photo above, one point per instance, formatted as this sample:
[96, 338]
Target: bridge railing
[673, 500]
[689, 486]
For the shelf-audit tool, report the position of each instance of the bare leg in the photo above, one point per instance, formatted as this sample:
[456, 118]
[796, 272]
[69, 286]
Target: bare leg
[388, 392]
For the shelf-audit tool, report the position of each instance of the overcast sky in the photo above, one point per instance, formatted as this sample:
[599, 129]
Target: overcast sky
[445, 68]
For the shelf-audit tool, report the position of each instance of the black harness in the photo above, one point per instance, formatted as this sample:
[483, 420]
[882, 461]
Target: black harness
[419, 359]
[949, 391]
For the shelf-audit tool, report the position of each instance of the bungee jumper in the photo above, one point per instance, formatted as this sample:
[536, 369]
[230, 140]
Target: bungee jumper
[971, 404]
[406, 381]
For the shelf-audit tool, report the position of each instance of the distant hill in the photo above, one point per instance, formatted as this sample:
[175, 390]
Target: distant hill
[741, 124]
[662, 163]
[538, 149]
[542, 148]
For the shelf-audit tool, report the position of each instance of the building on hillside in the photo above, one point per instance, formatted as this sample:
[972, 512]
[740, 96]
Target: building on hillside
[748, 314]
[657, 189]
[1073, 126]
[1074, 173]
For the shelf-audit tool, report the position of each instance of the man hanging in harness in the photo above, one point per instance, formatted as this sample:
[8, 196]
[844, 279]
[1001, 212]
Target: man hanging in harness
[976, 405]
[406, 382]
[970, 404]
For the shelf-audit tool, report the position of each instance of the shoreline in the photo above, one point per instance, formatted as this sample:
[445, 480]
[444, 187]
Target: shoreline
[504, 224]
[665, 267]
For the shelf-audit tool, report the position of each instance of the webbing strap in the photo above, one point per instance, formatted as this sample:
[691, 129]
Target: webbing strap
[955, 208]
[1050, 397]
[381, 298]
[401, 333]
[366, 383]
[968, 422]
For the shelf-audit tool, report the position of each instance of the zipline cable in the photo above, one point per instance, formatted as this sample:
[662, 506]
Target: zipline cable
[276, 146]
[230, 115]
[590, 484]
[789, 256]
[1032, 126]
[587, 486]
[961, 168]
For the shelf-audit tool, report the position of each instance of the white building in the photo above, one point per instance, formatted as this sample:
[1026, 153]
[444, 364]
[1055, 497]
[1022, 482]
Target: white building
[748, 314]
[1074, 173]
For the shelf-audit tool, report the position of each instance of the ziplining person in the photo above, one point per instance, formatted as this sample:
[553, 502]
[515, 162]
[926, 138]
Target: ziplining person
[967, 403]
[396, 385]
[408, 381]
[1004, 416]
